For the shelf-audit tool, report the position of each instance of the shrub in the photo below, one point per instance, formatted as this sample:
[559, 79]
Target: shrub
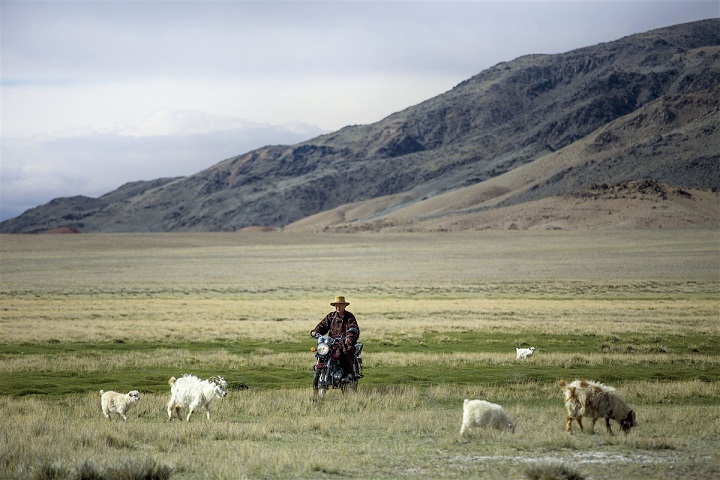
[89, 471]
[551, 471]
[51, 471]
[140, 470]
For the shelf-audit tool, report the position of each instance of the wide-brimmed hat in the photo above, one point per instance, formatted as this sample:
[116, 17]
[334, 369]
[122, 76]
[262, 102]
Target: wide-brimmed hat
[339, 301]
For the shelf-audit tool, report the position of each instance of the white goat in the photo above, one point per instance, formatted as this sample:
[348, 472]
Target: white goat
[113, 402]
[191, 392]
[585, 398]
[524, 352]
[479, 413]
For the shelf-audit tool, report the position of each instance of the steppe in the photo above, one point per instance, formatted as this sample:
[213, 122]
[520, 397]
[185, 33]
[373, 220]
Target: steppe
[441, 314]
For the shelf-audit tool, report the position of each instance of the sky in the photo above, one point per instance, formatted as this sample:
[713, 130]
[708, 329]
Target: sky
[97, 93]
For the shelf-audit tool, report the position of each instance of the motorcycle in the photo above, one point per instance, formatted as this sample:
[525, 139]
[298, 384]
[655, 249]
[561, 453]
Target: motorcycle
[328, 370]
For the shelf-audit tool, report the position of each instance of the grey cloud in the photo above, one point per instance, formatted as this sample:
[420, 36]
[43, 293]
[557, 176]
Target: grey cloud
[289, 45]
[231, 38]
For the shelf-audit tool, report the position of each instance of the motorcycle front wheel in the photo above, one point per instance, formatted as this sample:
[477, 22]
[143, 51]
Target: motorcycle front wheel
[319, 382]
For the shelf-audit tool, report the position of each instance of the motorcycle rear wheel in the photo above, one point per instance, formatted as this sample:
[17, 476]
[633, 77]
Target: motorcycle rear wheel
[351, 386]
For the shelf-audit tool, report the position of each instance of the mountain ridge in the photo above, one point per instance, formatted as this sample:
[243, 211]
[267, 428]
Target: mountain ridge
[641, 108]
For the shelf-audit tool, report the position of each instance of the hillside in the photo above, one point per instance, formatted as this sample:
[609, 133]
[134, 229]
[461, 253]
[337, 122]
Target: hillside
[576, 187]
[496, 151]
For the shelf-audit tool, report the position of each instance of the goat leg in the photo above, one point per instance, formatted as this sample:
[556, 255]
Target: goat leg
[607, 425]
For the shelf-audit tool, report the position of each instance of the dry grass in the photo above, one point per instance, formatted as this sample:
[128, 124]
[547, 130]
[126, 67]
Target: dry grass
[75, 318]
[93, 308]
[105, 288]
[397, 432]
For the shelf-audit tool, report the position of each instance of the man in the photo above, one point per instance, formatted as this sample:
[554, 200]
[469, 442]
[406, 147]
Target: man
[338, 323]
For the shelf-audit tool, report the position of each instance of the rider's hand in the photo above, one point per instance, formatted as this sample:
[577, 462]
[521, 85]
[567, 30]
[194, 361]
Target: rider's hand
[312, 333]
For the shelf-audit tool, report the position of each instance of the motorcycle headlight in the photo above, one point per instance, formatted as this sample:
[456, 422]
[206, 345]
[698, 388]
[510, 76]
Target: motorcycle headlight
[323, 348]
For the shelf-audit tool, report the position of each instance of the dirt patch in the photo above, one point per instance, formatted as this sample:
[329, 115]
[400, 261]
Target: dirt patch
[258, 228]
[62, 230]
[647, 189]
[577, 458]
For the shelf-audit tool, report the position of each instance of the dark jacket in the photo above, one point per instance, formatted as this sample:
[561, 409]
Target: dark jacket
[336, 326]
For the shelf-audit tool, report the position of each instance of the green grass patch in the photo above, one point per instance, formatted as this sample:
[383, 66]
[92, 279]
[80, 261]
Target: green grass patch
[424, 360]
[445, 342]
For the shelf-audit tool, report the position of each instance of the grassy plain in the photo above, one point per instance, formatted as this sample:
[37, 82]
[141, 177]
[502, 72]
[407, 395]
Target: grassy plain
[440, 316]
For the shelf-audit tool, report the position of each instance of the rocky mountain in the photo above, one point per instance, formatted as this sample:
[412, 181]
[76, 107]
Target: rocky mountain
[538, 129]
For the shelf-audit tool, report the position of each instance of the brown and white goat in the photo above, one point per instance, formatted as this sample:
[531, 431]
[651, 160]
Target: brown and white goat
[586, 398]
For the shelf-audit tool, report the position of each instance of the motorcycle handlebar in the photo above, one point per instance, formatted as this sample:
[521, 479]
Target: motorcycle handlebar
[337, 339]
[317, 335]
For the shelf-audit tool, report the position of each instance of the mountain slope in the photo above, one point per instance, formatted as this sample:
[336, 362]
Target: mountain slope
[540, 126]
[597, 168]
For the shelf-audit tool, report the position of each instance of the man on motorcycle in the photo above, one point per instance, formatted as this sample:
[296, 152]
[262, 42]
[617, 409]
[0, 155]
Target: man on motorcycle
[338, 323]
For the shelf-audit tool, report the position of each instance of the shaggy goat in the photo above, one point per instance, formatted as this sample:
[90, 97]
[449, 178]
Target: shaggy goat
[584, 398]
[113, 402]
[524, 352]
[191, 392]
[479, 413]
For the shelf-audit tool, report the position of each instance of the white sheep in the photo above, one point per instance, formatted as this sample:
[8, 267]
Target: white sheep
[479, 413]
[113, 402]
[191, 392]
[524, 352]
[585, 398]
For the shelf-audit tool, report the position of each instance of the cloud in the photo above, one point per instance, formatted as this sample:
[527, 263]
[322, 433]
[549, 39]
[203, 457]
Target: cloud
[167, 122]
[99, 92]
